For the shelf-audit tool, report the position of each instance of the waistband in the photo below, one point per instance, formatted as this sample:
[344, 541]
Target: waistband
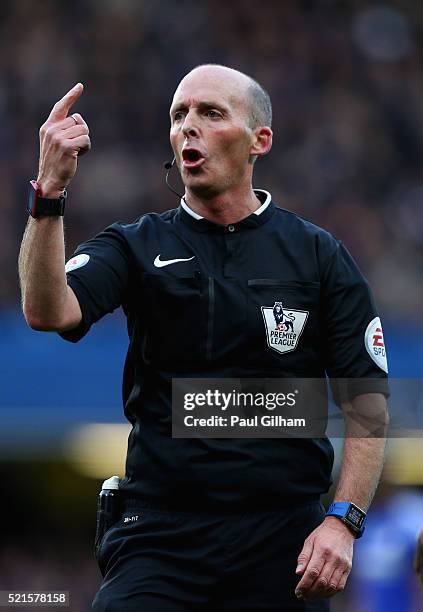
[169, 506]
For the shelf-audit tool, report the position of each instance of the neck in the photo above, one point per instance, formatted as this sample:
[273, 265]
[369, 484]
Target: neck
[225, 208]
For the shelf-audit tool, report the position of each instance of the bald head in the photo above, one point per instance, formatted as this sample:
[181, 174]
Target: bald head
[255, 97]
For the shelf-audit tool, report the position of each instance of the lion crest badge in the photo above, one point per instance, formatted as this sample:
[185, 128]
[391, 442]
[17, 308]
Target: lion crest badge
[283, 326]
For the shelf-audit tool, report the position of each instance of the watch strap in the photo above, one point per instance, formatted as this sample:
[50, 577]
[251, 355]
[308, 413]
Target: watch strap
[39, 206]
[350, 514]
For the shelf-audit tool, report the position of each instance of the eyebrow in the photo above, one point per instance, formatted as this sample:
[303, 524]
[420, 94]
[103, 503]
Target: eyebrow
[201, 105]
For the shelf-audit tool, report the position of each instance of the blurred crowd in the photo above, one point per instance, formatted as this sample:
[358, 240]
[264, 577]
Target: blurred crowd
[67, 567]
[346, 82]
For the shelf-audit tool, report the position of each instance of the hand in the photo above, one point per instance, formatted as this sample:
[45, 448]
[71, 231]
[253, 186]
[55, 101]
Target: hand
[418, 557]
[62, 139]
[325, 560]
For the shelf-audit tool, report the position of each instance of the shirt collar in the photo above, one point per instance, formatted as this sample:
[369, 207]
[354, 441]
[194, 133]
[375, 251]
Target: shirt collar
[263, 196]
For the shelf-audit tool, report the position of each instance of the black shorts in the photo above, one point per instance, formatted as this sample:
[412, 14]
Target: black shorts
[158, 560]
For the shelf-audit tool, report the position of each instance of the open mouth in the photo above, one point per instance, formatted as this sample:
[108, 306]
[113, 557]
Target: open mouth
[192, 158]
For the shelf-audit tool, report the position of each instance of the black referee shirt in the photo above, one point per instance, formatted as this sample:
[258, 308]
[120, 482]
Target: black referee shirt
[199, 299]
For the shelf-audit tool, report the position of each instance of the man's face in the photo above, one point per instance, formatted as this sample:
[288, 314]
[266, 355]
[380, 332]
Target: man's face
[209, 133]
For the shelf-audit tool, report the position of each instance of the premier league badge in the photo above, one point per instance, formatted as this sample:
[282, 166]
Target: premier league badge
[283, 326]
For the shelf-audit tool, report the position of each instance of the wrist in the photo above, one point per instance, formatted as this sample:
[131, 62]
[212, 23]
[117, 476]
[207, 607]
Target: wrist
[335, 523]
[42, 202]
[49, 190]
[349, 514]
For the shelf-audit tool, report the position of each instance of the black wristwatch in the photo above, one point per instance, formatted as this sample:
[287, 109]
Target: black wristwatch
[39, 206]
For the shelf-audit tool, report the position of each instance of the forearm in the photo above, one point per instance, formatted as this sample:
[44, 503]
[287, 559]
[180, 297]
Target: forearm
[42, 272]
[361, 469]
[363, 457]
[48, 303]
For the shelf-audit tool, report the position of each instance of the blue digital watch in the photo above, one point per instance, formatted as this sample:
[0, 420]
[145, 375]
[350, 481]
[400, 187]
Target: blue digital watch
[350, 514]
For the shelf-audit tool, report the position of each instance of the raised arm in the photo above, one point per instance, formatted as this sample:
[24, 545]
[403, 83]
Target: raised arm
[47, 301]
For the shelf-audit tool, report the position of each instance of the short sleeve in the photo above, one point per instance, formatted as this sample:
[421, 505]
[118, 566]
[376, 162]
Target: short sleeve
[351, 328]
[98, 274]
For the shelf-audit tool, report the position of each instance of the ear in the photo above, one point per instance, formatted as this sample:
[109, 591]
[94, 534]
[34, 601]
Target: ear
[261, 141]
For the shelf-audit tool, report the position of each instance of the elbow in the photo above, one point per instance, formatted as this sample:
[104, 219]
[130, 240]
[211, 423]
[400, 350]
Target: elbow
[37, 322]
[41, 326]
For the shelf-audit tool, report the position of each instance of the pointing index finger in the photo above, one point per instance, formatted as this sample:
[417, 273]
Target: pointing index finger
[61, 108]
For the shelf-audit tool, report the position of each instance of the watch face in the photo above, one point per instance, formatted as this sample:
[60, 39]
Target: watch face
[355, 516]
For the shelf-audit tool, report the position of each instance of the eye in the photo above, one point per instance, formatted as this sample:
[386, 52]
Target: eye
[213, 114]
[178, 116]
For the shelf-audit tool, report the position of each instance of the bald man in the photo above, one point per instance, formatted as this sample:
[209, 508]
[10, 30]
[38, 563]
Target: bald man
[209, 523]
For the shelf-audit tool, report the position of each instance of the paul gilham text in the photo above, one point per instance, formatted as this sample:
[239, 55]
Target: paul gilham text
[235, 421]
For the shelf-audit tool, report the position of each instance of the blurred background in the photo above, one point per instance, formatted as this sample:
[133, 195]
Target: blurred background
[346, 81]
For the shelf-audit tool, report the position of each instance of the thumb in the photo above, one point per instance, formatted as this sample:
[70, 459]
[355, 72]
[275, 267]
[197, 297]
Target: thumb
[304, 556]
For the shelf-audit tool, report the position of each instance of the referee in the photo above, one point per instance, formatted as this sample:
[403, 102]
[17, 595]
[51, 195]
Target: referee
[215, 524]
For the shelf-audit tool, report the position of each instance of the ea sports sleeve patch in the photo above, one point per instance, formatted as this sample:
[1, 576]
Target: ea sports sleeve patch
[375, 344]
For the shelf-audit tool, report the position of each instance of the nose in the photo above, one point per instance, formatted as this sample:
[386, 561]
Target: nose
[189, 127]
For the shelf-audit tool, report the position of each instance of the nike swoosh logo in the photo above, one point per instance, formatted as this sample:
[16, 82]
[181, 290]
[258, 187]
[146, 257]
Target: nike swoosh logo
[159, 263]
